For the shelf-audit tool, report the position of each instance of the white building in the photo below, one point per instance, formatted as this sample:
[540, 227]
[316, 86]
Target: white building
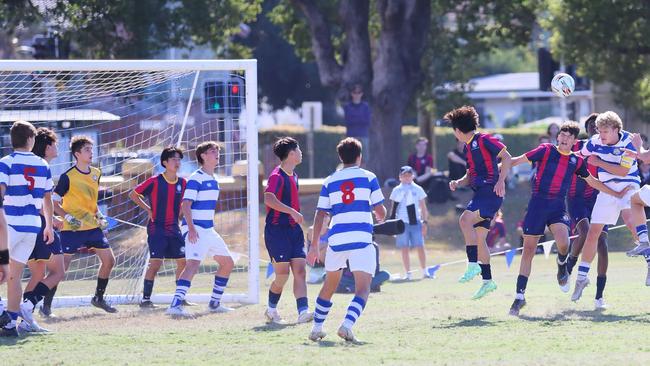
[506, 99]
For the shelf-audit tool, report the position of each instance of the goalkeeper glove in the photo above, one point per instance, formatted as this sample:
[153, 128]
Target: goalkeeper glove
[74, 223]
[101, 220]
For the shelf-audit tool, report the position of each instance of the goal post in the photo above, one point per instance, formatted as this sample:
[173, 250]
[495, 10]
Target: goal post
[132, 109]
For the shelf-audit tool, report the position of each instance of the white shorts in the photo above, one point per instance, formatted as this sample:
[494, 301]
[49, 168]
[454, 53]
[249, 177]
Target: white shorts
[364, 259]
[209, 244]
[21, 245]
[644, 194]
[608, 208]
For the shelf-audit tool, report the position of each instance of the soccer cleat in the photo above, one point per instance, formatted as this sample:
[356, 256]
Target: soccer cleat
[187, 303]
[102, 304]
[487, 287]
[305, 317]
[563, 278]
[8, 332]
[473, 270]
[517, 305]
[600, 304]
[147, 304]
[46, 312]
[316, 335]
[638, 249]
[35, 328]
[647, 277]
[579, 287]
[177, 311]
[273, 316]
[26, 312]
[346, 334]
[218, 308]
[4, 319]
[408, 276]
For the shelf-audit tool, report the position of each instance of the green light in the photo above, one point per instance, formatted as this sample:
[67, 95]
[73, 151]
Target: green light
[216, 106]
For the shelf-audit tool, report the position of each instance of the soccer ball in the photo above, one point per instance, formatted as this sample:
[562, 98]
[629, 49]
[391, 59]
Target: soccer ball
[563, 85]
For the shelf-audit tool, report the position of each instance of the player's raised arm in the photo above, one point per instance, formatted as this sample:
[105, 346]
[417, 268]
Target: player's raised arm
[596, 184]
[621, 170]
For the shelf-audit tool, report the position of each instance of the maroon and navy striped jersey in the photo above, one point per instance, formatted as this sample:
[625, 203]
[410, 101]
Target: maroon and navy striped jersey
[579, 188]
[554, 171]
[165, 201]
[420, 163]
[285, 188]
[482, 164]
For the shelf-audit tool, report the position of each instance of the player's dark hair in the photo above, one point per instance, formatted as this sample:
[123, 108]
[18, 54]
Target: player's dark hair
[591, 119]
[464, 119]
[203, 147]
[349, 150]
[44, 138]
[78, 142]
[20, 132]
[571, 127]
[168, 153]
[284, 146]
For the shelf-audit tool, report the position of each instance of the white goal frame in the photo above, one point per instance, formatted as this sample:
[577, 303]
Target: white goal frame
[252, 180]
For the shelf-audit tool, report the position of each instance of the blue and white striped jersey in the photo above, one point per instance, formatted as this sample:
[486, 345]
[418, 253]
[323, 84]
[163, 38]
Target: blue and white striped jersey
[349, 196]
[203, 190]
[26, 178]
[614, 154]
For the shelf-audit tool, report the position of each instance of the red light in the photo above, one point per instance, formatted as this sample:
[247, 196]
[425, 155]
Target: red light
[235, 89]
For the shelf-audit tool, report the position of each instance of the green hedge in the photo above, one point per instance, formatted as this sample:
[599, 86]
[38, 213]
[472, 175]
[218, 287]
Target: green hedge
[518, 141]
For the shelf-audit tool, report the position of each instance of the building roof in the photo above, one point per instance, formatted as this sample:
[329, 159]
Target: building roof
[515, 81]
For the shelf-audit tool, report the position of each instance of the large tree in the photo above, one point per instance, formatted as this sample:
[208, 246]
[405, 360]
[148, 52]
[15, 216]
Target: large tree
[609, 40]
[381, 44]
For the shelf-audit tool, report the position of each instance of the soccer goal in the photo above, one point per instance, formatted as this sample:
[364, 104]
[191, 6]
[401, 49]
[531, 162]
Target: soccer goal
[132, 110]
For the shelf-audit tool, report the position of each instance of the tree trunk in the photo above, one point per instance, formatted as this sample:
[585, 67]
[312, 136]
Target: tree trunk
[396, 70]
[394, 76]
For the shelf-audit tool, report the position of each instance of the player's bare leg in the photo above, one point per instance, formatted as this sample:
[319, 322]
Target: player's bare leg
[561, 235]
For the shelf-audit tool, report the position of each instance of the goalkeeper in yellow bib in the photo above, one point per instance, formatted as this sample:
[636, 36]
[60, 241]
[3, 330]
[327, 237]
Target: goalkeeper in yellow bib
[75, 199]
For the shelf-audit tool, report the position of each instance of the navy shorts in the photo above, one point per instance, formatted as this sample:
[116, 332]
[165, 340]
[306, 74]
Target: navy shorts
[72, 241]
[166, 245]
[42, 251]
[284, 242]
[487, 203]
[542, 213]
[580, 209]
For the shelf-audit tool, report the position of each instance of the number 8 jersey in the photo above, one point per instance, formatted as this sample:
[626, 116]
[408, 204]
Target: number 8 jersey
[26, 178]
[349, 195]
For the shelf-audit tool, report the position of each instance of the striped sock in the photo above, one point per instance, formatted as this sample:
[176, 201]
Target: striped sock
[274, 299]
[583, 270]
[302, 304]
[322, 308]
[642, 232]
[217, 291]
[354, 311]
[182, 286]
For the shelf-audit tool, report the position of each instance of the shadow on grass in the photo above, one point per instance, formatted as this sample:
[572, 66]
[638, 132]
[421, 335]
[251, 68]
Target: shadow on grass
[272, 327]
[13, 341]
[462, 323]
[84, 316]
[588, 315]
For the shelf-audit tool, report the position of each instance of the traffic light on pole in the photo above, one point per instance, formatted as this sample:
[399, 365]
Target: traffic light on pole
[214, 97]
[236, 95]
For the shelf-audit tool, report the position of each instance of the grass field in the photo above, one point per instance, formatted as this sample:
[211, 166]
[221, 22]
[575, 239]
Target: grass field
[424, 322]
[417, 322]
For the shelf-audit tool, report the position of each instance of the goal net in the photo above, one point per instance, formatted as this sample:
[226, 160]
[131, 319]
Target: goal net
[132, 110]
